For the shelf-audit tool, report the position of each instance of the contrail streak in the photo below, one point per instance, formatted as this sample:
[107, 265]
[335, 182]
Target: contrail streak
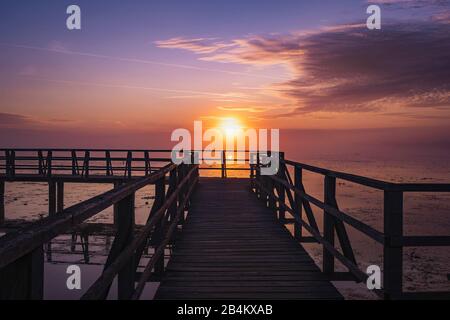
[132, 60]
[122, 86]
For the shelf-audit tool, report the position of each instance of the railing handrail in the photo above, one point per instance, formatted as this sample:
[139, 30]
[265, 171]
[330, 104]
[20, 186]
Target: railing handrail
[102, 283]
[42, 231]
[358, 179]
[274, 189]
[25, 245]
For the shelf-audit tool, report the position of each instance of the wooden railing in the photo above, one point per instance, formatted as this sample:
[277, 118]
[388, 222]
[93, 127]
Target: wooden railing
[21, 252]
[16, 164]
[21, 263]
[79, 162]
[287, 195]
[60, 166]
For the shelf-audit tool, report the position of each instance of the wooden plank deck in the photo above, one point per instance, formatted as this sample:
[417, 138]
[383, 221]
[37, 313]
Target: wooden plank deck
[232, 247]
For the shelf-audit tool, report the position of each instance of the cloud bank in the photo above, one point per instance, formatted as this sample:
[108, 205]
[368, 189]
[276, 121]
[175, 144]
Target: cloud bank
[348, 68]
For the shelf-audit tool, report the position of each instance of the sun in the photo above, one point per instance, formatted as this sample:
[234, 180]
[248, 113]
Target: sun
[231, 127]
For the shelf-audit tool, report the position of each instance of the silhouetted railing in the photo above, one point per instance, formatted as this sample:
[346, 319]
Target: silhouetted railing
[286, 195]
[43, 164]
[21, 252]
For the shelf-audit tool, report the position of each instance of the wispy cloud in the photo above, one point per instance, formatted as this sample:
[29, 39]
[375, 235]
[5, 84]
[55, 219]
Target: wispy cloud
[243, 109]
[11, 119]
[412, 3]
[198, 45]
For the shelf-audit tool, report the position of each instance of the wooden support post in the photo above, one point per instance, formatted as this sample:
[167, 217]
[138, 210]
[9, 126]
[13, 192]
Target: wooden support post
[73, 242]
[172, 186]
[75, 169]
[173, 182]
[252, 170]
[298, 177]
[87, 157]
[270, 198]
[59, 196]
[224, 164]
[11, 163]
[124, 236]
[51, 197]
[148, 168]
[158, 236]
[281, 203]
[41, 163]
[258, 176]
[2, 202]
[24, 278]
[125, 229]
[180, 174]
[84, 239]
[109, 170]
[129, 164]
[7, 157]
[393, 255]
[116, 207]
[328, 224]
[49, 163]
[281, 189]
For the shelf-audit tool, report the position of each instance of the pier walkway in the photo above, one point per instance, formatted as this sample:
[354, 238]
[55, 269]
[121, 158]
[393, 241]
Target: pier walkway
[205, 237]
[232, 247]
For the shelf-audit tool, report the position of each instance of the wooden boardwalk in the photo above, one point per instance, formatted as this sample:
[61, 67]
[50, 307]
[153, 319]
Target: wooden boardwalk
[232, 247]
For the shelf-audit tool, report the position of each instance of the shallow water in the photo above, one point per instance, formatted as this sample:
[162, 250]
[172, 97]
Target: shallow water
[425, 269]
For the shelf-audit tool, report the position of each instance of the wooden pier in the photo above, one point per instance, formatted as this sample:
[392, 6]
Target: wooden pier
[227, 237]
[234, 248]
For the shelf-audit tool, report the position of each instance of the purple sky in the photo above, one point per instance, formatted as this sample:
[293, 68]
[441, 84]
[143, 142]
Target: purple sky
[146, 67]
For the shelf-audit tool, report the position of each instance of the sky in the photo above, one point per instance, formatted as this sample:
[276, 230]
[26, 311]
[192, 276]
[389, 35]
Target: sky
[139, 67]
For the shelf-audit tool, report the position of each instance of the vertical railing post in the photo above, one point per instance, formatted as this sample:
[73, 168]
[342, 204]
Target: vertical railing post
[74, 163]
[36, 272]
[172, 187]
[328, 224]
[51, 197]
[393, 254]
[24, 278]
[281, 188]
[116, 206]
[271, 189]
[258, 176]
[147, 163]
[124, 236]
[180, 174]
[7, 163]
[108, 163]
[59, 196]
[160, 197]
[125, 229]
[40, 163]
[11, 159]
[2, 202]
[49, 163]
[129, 164]
[252, 170]
[298, 177]
[87, 158]
[224, 164]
